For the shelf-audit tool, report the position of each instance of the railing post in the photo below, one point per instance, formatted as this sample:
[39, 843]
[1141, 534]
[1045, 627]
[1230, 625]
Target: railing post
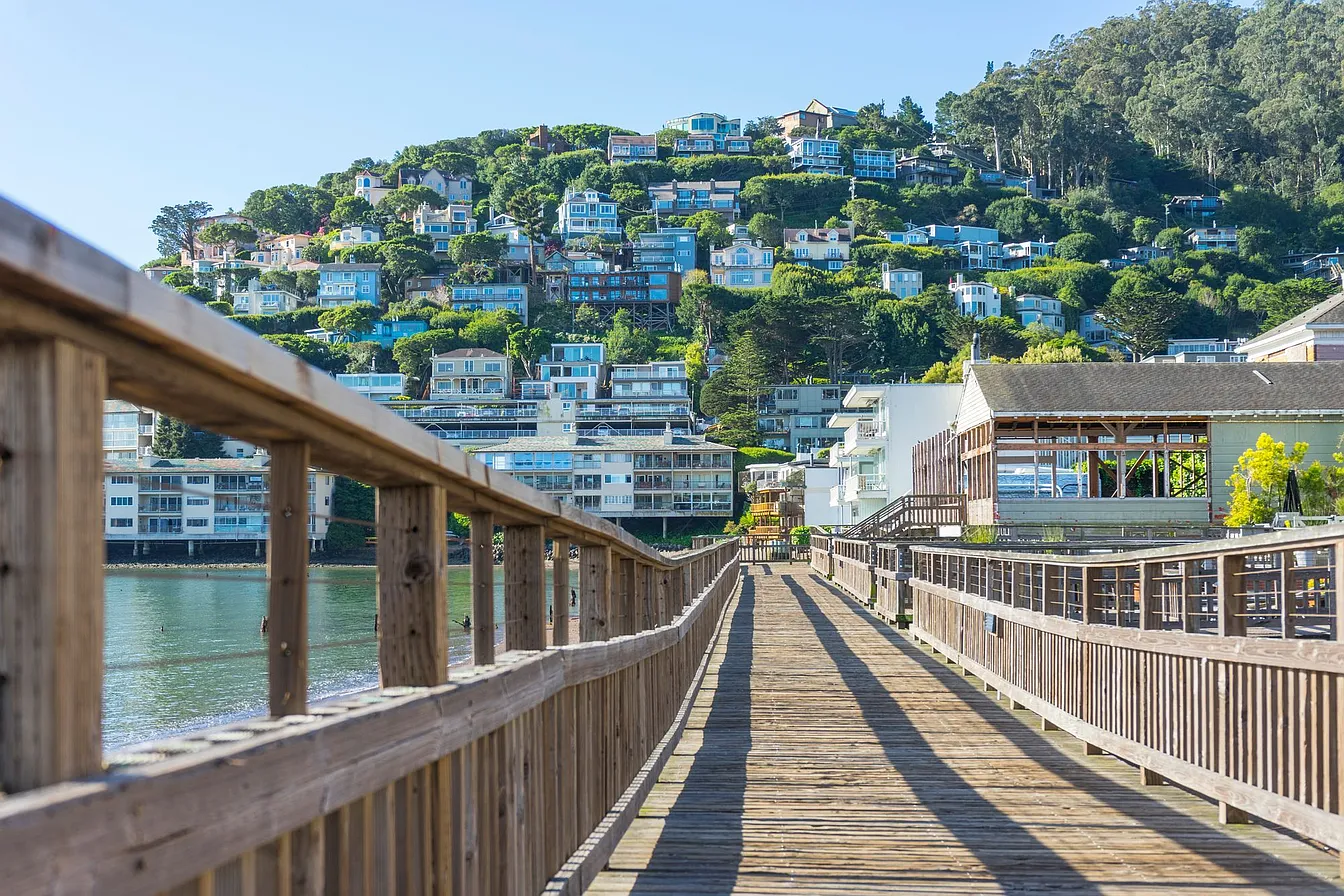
[1231, 620]
[524, 588]
[287, 571]
[594, 592]
[559, 590]
[1189, 600]
[625, 615]
[643, 597]
[1286, 607]
[1149, 618]
[1088, 597]
[51, 563]
[665, 598]
[483, 588]
[412, 586]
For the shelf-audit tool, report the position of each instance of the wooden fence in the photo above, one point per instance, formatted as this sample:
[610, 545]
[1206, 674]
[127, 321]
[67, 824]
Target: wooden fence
[1217, 666]
[513, 776]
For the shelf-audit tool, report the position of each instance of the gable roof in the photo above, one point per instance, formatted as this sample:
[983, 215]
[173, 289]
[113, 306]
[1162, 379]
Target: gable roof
[1329, 312]
[821, 234]
[640, 139]
[1156, 390]
[470, 353]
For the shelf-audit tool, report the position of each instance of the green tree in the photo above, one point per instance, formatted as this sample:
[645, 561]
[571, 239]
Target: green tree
[318, 354]
[1259, 480]
[1170, 238]
[737, 427]
[349, 321]
[1142, 311]
[199, 293]
[175, 438]
[488, 329]
[740, 382]
[1079, 247]
[403, 260]
[871, 217]
[292, 208]
[224, 308]
[482, 247]
[767, 228]
[176, 226]
[413, 353]
[350, 500]
[218, 234]
[587, 318]
[352, 210]
[405, 200]
[627, 343]
[709, 233]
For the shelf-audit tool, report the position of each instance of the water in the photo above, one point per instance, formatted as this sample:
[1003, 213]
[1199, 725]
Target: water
[158, 617]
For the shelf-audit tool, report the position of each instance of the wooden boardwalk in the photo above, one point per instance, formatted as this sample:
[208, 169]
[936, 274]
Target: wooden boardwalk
[827, 753]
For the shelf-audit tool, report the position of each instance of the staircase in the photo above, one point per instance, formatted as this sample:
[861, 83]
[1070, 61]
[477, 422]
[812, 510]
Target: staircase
[908, 514]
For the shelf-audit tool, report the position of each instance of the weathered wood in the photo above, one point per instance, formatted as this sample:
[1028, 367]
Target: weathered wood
[412, 586]
[483, 588]
[524, 588]
[51, 563]
[287, 570]
[559, 590]
[594, 592]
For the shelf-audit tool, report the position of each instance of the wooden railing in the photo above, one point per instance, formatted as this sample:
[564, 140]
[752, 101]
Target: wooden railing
[911, 512]
[520, 770]
[1217, 666]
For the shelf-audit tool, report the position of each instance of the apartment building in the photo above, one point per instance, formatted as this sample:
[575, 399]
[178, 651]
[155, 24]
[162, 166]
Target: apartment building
[632, 148]
[486, 297]
[152, 500]
[745, 263]
[443, 224]
[128, 430]
[347, 284]
[688, 197]
[975, 299]
[668, 249]
[794, 417]
[824, 248]
[708, 133]
[815, 155]
[903, 283]
[624, 477]
[686, 147]
[470, 372]
[799, 490]
[876, 164]
[374, 386]
[588, 213]
[655, 380]
[881, 424]
[650, 296]
[1043, 310]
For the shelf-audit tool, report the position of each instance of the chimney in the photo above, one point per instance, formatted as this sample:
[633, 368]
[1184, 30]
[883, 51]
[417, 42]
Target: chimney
[667, 435]
[975, 349]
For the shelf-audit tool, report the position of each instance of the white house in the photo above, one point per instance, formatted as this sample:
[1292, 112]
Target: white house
[975, 299]
[588, 212]
[903, 283]
[1043, 310]
[875, 163]
[1215, 237]
[745, 263]
[370, 187]
[470, 372]
[374, 386]
[456, 188]
[815, 155]
[825, 248]
[258, 299]
[443, 224]
[357, 235]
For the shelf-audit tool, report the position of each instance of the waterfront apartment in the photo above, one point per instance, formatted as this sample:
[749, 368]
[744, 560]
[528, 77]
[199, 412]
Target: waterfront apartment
[815, 155]
[745, 263]
[443, 224]
[881, 424]
[824, 248]
[152, 500]
[128, 430]
[688, 197]
[347, 284]
[876, 164]
[632, 148]
[666, 477]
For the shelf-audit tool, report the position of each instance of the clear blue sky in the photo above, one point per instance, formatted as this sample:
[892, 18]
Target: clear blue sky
[109, 110]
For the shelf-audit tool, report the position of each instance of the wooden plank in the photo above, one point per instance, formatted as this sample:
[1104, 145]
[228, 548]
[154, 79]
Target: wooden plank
[412, 586]
[559, 590]
[524, 588]
[594, 592]
[287, 570]
[51, 563]
[482, 588]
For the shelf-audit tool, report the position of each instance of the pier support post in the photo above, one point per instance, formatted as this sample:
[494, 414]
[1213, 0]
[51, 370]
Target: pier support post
[483, 588]
[287, 572]
[51, 562]
[412, 586]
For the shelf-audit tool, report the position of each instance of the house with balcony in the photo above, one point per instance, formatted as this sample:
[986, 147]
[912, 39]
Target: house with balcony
[1316, 334]
[796, 493]
[815, 155]
[281, 251]
[456, 188]
[667, 476]
[911, 236]
[1043, 310]
[655, 380]
[632, 148]
[824, 248]
[817, 114]
[470, 372]
[375, 386]
[352, 235]
[708, 133]
[442, 224]
[981, 256]
[154, 500]
[1198, 351]
[667, 249]
[795, 416]
[745, 263]
[258, 299]
[1128, 444]
[915, 170]
[369, 186]
[650, 296]
[903, 283]
[1197, 209]
[685, 198]
[1096, 332]
[518, 246]
[588, 213]
[128, 429]
[882, 424]
[346, 284]
[686, 147]
[571, 370]
[974, 298]
[1323, 265]
[1024, 254]
[487, 297]
[876, 164]
[1203, 239]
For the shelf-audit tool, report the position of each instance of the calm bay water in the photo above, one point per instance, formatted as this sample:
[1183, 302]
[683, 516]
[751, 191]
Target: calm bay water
[156, 618]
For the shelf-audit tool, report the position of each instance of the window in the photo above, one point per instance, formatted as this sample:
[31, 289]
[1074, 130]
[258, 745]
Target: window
[123, 480]
[198, 502]
[125, 501]
[121, 523]
[198, 480]
[197, 523]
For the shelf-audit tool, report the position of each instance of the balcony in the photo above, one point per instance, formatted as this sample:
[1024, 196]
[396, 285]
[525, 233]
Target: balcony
[865, 437]
[866, 486]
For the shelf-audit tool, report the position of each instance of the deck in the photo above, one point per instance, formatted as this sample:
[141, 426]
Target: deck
[828, 753]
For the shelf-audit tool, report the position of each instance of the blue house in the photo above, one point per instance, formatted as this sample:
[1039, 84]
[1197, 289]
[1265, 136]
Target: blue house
[386, 332]
[346, 284]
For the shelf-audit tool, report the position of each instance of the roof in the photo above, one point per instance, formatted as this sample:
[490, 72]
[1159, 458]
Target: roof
[1200, 390]
[645, 139]
[1331, 311]
[818, 233]
[605, 443]
[698, 185]
[336, 266]
[183, 465]
[469, 353]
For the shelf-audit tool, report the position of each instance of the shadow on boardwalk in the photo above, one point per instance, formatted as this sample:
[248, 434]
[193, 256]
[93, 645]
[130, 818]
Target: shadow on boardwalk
[1259, 869]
